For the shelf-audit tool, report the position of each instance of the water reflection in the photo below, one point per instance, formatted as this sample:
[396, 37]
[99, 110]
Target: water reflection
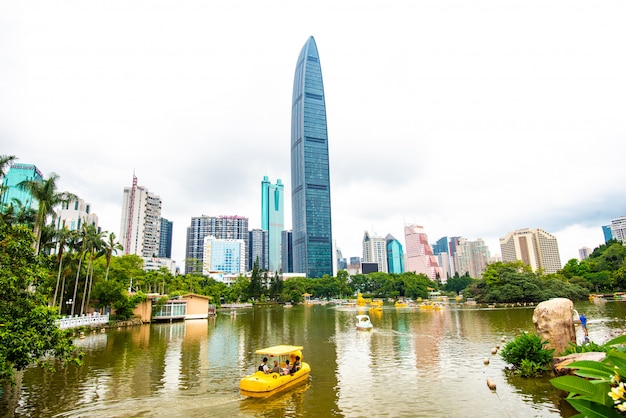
[414, 363]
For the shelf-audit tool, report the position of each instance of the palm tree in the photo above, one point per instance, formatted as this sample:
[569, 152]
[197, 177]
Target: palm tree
[5, 161]
[94, 243]
[111, 247]
[18, 214]
[45, 192]
[62, 238]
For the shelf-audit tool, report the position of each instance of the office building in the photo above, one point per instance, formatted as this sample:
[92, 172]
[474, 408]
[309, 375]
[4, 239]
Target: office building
[534, 247]
[618, 229]
[375, 251]
[221, 227]
[165, 243]
[258, 249]
[472, 257]
[395, 255]
[442, 249]
[73, 215]
[286, 254]
[310, 174]
[608, 235]
[223, 256]
[273, 219]
[419, 255]
[12, 193]
[140, 227]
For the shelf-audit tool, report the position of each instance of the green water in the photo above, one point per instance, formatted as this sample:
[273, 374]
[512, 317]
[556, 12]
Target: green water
[414, 363]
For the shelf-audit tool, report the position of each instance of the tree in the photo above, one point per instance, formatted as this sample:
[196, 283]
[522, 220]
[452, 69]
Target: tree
[48, 198]
[110, 247]
[28, 332]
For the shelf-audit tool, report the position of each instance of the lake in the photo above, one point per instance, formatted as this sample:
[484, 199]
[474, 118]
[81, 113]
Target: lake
[414, 363]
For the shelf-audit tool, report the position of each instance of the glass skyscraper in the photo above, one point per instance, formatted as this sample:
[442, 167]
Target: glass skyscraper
[273, 219]
[11, 191]
[310, 177]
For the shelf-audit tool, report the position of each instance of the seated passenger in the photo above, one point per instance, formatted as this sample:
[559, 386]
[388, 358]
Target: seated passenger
[296, 365]
[276, 368]
[263, 367]
[286, 369]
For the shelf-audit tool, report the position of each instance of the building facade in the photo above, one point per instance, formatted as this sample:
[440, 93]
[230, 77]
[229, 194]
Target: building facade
[73, 215]
[472, 257]
[375, 251]
[310, 173]
[165, 243]
[140, 227]
[273, 219]
[286, 254]
[258, 248]
[584, 253]
[618, 229]
[12, 193]
[419, 254]
[534, 247]
[221, 227]
[395, 255]
[223, 256]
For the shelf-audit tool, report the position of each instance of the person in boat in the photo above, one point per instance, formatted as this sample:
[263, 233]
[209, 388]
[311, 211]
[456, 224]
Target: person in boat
[287, 369]
[296, 365]
[276, 368]
[263, 367]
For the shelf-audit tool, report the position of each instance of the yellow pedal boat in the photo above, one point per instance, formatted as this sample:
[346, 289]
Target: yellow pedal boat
[261, 384]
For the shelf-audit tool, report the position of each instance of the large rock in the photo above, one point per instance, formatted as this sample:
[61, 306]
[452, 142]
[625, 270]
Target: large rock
[561, 364]
[554, 322]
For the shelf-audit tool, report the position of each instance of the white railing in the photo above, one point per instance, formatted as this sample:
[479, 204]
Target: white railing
[85, 320]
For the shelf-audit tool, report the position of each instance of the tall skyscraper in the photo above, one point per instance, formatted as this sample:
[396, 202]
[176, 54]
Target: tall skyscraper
[140, 228]
[258, 248]
[419, 255]
[165, 243]
[222, 227]
[395, 255]
[608, 235]
[310, 174]
[11, 190]
[273, 219]
[534, 247]
[375, 251]
[286, 254]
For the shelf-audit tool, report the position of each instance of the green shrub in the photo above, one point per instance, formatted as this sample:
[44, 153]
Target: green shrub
[527, 349]
[585, 348]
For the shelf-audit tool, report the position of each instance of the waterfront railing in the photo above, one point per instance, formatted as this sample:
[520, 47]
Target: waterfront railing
[85, 320]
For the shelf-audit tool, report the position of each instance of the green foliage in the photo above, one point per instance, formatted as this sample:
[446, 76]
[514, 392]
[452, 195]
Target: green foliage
[597, 390]
[28, 332]
[529, 368]
[527, 348]
[591, 347]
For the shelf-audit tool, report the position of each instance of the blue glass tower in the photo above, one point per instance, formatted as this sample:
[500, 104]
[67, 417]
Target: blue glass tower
[310, 178]
[11, 190]
[273, 219]
[395, 255]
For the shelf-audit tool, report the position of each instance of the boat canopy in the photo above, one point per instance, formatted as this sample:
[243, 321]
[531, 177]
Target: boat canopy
[279, 350]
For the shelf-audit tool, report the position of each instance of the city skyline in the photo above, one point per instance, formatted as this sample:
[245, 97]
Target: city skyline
[470, 120]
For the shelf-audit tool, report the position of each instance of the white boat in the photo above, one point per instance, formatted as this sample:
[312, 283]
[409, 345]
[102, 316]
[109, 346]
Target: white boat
[363, 323]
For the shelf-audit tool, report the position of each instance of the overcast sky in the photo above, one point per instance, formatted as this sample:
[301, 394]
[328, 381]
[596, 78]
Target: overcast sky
[471, 119]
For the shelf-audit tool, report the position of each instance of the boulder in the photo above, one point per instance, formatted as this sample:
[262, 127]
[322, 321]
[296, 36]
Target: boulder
[559, 364]
[554, 322]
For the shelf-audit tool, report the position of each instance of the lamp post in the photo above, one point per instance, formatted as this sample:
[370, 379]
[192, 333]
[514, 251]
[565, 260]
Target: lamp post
[68, 303]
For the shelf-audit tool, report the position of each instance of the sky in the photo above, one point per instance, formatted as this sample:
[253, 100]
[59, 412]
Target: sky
[471, 119]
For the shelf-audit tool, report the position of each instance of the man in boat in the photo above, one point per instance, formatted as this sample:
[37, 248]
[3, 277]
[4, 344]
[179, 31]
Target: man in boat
[296, 365]
[263, 367]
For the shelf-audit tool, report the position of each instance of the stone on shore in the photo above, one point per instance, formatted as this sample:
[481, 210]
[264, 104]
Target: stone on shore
[554, 322]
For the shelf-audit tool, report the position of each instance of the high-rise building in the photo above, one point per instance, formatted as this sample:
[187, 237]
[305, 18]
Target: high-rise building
[618, 229]
[73, 215]
[223, 256]
[395, 255]
[442, 249]
[165, 243]
[472, 257]
[286, 254]
[375, 251]
[12, 193]
[534, 247]
[273, 219]
[258, 248]
[584, 253]
[310, 174]
[419, 254]
[140, 228]
[222, 227]
[608, 235]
